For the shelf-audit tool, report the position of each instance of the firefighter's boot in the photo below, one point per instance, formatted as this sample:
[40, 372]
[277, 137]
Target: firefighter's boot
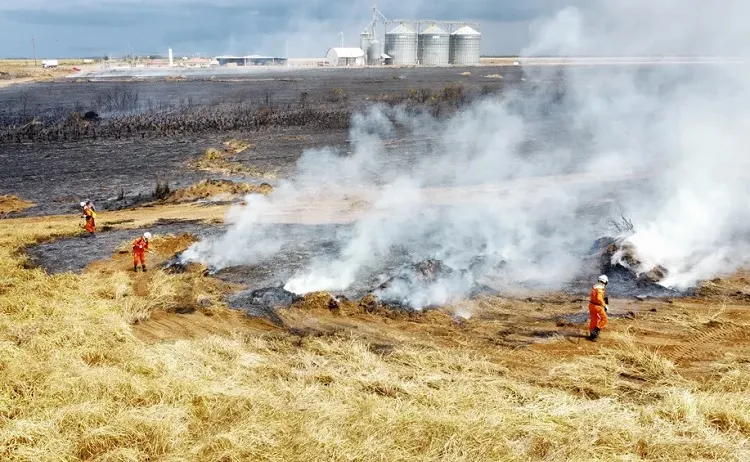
[594, 334]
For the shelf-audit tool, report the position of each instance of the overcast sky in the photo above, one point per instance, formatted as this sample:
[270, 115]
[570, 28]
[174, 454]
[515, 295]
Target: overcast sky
[309, 27]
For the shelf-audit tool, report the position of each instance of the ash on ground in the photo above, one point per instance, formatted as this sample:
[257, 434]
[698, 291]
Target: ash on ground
[263, 303]
[428, 284]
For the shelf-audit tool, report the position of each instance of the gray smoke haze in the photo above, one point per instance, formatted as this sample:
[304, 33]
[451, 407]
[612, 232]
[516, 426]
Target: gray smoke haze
[527, 181]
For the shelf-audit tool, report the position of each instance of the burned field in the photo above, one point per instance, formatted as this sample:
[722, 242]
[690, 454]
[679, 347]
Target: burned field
[350, 324]
[74, 254]
[125, 143]
[104, 140]
[112, 140]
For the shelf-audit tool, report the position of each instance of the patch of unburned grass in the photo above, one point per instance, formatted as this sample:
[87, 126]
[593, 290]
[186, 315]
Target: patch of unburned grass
[217, 190]
[237, 146]
[23, 70]
[12, 204]
[222, 161]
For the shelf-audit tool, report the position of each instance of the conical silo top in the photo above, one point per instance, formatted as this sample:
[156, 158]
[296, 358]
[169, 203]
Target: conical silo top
[434, 30]
[402, 29]
[466, 30]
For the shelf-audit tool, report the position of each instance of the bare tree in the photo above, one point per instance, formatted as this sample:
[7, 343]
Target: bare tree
[621, 223]
[23, 100]
[268, 98]
[118, 98]
[304, 97]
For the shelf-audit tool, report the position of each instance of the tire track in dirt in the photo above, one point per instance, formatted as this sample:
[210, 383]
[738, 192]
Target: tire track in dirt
[707, 343]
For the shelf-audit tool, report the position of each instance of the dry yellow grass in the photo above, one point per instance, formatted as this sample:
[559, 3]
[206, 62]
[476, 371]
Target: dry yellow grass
[77, 383]
[14, 71]
[216, 161]
[218, 190]
[237, 146]
[11, 204]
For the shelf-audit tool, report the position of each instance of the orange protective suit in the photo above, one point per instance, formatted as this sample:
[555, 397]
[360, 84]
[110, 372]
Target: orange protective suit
[90, 215]
[140, 246]
[596, 308]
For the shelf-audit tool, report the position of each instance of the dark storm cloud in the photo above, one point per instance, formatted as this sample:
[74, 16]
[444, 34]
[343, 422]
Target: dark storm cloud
[73, 18]
[307, 27]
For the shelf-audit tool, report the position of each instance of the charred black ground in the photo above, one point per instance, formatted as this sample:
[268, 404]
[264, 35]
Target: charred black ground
[111, 141]
[141, 131]
[73, 254]
[399, 283]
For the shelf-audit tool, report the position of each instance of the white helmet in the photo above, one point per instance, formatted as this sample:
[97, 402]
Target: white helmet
[603, 279]
[147, 235]
[83, 204]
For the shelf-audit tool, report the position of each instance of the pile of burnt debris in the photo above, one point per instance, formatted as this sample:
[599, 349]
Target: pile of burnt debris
[428, 284]
[262, 303]
[628, 275]
[411, 288]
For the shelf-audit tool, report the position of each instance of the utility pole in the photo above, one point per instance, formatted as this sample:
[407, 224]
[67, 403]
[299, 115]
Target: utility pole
[342, 39]
[33, 47]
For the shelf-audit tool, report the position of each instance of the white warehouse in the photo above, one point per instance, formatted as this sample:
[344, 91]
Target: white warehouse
[345, 57]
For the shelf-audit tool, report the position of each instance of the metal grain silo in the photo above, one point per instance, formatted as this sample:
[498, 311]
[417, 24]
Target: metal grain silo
[464, 47]
[401, 45]
[365, 40]
[373, 54]
[433, 47]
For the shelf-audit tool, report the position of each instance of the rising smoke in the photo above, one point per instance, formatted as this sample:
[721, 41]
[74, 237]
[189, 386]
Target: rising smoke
[524, 183]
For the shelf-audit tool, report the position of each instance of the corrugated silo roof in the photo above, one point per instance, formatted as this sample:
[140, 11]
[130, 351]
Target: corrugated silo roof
[402, 29]
[465, 30]
[434, 30]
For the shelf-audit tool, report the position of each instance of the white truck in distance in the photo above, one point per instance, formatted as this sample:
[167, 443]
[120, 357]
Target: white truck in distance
[49, 63]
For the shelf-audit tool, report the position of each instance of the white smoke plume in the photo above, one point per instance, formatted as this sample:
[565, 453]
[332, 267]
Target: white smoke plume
[527, 180]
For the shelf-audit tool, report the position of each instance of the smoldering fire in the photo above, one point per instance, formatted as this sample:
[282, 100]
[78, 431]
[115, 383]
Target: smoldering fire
[527, 180]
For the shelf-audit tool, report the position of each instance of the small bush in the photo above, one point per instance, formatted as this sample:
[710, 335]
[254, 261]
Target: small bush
[304, 98]
[91, 115]
[337, 95]
[453, 94]
[420, 95]
[161, 191]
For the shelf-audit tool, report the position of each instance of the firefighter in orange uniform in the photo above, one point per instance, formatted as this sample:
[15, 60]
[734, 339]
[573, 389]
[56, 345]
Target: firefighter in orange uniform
[89, 213]
[598, 307]
[140, 247]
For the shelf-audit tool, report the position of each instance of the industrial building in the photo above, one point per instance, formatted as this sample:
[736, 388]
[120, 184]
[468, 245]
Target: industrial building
[464, 47]
[432, 43]
[346, 57]
[252, 60]
[433, 47]
[401, 45]
[422, 42]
